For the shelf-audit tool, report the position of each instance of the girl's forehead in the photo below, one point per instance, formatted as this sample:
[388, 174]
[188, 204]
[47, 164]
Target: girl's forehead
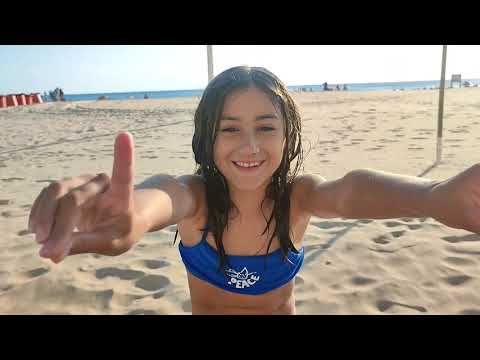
[248, 98]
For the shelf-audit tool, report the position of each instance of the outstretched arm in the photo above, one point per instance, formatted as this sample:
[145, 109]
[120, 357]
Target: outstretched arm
[164, 200]
[373, 194]
[377, 194]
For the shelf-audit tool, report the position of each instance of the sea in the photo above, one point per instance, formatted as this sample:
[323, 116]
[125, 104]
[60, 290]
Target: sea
[380, 86]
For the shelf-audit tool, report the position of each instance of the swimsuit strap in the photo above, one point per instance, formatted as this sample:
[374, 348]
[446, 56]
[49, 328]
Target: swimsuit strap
[205, 234]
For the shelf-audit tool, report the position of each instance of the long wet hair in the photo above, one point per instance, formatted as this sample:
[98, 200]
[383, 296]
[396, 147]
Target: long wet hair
[207, 117]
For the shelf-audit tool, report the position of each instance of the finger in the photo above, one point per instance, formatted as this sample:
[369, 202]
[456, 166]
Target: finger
[33, 210]
[123, 168]
[44, 207]
[66, 217]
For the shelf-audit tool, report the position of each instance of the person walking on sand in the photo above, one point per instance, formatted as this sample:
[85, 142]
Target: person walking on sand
[242, 215]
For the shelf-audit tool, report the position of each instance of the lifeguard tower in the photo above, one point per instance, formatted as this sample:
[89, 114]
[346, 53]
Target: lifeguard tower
[456, 78]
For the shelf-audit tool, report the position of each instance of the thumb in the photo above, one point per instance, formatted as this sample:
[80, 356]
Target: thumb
[123, 167]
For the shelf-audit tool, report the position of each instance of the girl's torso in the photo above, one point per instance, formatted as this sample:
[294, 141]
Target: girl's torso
[241, 238]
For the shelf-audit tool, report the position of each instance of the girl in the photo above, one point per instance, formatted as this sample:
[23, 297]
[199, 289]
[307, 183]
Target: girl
[242, 216]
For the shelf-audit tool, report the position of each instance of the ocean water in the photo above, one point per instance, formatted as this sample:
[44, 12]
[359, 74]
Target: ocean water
[384, 86]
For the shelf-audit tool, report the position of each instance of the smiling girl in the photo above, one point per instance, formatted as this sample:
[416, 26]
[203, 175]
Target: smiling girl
[242, 216]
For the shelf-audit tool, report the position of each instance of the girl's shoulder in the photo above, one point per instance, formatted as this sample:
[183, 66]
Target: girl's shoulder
[196, 185]
[303, 185]
[302, 191]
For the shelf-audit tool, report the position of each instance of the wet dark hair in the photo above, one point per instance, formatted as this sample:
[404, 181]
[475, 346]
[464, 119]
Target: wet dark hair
[207, 117]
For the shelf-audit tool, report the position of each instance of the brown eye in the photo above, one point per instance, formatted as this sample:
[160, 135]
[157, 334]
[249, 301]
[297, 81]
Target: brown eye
[266, 128]
[230, 129]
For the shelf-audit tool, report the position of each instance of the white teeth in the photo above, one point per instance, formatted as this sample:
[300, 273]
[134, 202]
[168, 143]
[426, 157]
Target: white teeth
[242, 164]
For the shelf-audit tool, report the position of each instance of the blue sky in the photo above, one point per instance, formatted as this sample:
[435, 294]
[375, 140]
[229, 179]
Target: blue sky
[122, 68]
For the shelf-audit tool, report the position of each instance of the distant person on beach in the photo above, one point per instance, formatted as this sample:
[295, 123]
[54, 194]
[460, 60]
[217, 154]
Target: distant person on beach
[145, 96]
[243, 214]
[337, 88]
[345, 87]
[325, 86]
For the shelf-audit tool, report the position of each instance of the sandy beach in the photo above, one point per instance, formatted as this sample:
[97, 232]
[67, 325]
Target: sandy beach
[396, 266]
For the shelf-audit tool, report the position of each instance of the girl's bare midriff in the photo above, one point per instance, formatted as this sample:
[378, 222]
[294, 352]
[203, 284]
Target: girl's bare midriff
[208, 299]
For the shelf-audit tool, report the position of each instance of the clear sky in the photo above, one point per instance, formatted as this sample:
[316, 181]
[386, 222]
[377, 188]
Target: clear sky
[123, 68]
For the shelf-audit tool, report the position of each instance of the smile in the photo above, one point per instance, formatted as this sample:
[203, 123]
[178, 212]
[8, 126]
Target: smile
[248, 165]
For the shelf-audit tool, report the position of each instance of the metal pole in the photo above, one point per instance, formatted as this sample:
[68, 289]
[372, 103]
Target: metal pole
[210, 62]
[440, 106]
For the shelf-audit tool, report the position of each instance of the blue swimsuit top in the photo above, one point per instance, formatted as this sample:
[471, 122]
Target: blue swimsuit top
[243, 274]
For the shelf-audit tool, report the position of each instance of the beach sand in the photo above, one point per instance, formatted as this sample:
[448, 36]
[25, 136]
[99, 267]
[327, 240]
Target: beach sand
[405, 266]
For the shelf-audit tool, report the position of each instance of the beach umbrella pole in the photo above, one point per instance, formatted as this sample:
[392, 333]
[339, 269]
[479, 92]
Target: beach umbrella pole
[210, 62]
[440, 106]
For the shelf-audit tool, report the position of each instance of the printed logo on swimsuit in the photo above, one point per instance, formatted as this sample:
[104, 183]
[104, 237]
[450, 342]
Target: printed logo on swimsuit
[242, 279]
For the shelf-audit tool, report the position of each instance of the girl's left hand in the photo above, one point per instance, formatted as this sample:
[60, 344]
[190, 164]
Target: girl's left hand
[456, 201]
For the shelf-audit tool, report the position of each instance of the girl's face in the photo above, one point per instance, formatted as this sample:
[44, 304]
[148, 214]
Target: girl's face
[250, 140]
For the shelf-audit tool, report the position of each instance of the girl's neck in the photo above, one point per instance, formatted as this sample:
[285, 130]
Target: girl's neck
[249, 203]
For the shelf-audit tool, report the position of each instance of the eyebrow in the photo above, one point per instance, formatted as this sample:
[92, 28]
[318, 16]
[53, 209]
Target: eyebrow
[259, 117]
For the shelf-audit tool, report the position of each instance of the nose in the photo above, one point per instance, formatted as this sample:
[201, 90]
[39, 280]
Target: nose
[251, 143]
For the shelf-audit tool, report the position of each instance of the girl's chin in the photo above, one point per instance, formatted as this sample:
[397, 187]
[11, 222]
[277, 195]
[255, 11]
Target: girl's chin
[248, 185]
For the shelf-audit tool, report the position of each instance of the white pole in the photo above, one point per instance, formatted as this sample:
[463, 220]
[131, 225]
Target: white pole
[440, 106]
[210, 62]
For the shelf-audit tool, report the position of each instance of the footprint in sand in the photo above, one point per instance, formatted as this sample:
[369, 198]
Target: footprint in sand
[397, 234]
[329, 224]
[24, 232]
[152, 282]
[382, 240]
[150, 264]
[31, 274]
[470, 312]
[396, 129]
[384, 305]
[10, 214]
[457, 239]
[123, 274]
[12, 179]
[159, 294]
[46, 180]
[361, 281]
[142, 312]
[391, 224]
[459, 261]
[457, 279]
[6, 202]
[364, 221]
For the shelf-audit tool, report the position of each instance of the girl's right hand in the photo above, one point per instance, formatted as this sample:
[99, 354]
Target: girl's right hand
[101, 208]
